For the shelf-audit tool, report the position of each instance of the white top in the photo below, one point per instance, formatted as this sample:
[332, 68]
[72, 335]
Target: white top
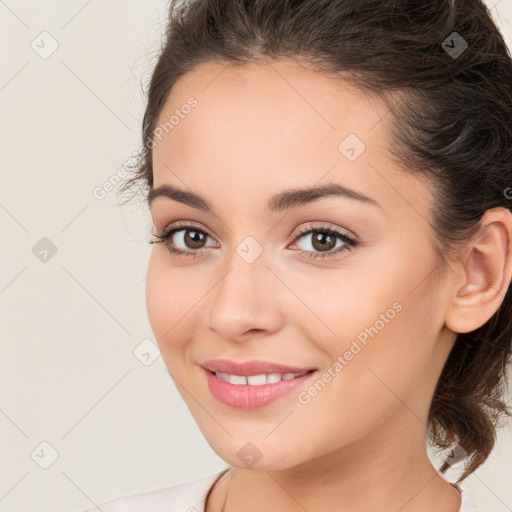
[190, 497]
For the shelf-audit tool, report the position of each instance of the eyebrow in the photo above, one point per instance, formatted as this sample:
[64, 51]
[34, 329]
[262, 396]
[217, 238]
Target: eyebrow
[285, 200]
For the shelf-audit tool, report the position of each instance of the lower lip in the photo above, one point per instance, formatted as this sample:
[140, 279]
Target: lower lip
[251, 397]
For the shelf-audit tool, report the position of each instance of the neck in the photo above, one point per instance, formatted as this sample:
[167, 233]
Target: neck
[363, 476]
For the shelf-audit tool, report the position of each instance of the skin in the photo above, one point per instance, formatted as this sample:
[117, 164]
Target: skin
[359, 444]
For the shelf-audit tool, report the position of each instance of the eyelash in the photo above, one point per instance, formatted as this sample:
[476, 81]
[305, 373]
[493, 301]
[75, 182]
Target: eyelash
[349, 242]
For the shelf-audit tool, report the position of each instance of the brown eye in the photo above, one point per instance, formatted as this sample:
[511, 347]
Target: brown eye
[194, 239]
[183, 240]
[187, 240]
[323, 241]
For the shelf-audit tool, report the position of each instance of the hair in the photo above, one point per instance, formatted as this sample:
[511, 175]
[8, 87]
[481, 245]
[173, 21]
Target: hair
[450, 119]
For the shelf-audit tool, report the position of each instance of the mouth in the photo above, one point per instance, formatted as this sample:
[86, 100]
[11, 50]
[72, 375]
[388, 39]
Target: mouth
[259, 379]
[254, 390]
[253, 368]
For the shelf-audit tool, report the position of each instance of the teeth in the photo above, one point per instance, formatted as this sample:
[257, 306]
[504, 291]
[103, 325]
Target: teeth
[273, 377]
[237, 379]
[257, 380]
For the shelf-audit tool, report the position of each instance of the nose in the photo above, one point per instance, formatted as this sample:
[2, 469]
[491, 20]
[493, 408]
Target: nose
[247, 298]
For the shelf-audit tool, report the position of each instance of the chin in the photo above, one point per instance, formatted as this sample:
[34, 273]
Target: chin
[257, 456]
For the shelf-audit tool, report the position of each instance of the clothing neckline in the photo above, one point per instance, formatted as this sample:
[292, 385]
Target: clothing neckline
[220, 475]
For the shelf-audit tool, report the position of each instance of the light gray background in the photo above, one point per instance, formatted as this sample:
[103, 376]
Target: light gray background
[70, 325]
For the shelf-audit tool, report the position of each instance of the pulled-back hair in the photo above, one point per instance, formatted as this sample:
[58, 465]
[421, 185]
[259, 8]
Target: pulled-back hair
[450, 118]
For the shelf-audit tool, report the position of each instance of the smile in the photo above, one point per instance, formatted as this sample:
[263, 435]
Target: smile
[257, 380]
[253, 391]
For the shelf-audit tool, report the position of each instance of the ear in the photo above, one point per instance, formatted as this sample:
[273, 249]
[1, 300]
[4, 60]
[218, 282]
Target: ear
[483, 274]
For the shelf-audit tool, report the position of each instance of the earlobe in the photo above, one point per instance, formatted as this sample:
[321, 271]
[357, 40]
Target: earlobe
[486, 271]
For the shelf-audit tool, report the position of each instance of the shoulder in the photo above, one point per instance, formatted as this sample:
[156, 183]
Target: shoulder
[467, 504]
[186, 497]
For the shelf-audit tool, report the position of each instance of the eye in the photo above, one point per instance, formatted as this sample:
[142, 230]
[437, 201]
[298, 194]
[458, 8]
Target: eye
[190, 238]
[187, 240]
[325, 240]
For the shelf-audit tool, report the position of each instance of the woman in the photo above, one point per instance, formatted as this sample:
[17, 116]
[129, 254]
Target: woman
[329, 283]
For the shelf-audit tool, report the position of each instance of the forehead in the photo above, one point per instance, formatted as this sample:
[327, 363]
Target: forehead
[258, 101]
[261, 127]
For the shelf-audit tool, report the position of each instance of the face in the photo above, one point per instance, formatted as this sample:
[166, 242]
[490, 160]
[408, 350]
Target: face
[343, 284]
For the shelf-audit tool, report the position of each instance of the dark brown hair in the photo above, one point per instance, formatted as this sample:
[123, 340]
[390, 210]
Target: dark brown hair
[450, 119]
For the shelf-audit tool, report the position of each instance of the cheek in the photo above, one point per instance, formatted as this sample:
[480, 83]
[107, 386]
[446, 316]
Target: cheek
[339, 305]
[392, 367]
[378, 324]
[376, 368]
[170, 297]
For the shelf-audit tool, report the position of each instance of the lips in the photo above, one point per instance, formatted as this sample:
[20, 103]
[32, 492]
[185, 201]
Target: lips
[247, 396]
[253, 367]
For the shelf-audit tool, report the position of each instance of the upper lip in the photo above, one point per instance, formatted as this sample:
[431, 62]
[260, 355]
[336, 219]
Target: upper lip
[253, 367]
